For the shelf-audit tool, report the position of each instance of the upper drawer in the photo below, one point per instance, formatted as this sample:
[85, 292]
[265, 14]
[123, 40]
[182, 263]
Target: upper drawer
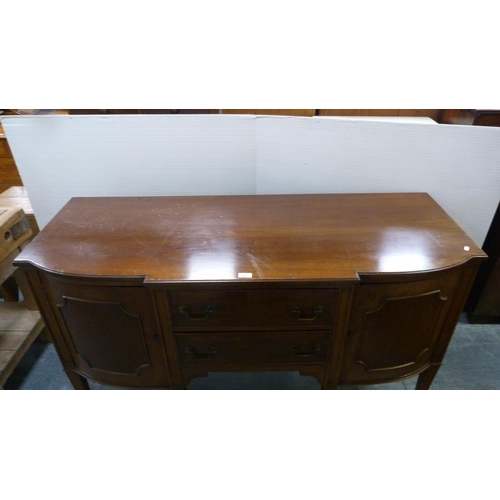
[273, 309]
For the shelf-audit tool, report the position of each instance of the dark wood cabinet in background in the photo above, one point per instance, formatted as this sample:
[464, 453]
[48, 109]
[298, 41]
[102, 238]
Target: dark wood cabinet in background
[483, 304]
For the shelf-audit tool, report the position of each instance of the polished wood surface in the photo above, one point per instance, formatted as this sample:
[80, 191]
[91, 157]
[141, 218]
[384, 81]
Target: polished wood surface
[275, 237]
[350, 289]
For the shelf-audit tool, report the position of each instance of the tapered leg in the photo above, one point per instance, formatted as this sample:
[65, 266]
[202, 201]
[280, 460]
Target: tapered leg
[77, 381]
[425, 378]
[329, 387]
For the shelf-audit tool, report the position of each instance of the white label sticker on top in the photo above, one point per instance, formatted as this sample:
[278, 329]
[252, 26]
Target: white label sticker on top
[244, 275]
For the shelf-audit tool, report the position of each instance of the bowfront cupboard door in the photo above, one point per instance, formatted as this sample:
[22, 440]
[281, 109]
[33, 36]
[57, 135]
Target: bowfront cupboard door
[108, 333]
[395, 327]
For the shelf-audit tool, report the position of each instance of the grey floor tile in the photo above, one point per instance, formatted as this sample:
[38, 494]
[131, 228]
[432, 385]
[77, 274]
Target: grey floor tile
[410, 383]
[40, 369]
[393, 386]
[472, 360]
[255, 381]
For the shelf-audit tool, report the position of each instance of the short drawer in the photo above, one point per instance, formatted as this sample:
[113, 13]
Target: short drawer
[271, 309]
[252, 348]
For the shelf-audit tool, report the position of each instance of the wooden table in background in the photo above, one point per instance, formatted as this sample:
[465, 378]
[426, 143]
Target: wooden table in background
[16, 197]
[20, 322]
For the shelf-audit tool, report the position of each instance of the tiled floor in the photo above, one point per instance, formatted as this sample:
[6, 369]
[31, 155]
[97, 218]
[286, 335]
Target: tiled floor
[471, 362]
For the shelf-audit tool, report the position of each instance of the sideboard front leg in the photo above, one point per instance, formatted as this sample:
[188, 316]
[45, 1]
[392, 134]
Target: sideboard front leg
[425, 378]
[329, 387]
[77, 381]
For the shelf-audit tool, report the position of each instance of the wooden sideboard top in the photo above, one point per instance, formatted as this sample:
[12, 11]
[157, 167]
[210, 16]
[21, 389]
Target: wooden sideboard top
[254, 237]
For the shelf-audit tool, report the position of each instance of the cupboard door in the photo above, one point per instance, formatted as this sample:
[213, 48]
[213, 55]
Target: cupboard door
[110, 333]
[394, 328]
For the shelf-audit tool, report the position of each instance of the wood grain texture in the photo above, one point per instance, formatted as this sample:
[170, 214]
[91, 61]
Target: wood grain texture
[273, 237]
[9, 174]
[16, 196]
[15, 229]
[18, 329]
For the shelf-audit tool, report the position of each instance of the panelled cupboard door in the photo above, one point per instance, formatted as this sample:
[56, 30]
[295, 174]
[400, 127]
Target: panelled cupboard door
[110, 332]
[395, 326]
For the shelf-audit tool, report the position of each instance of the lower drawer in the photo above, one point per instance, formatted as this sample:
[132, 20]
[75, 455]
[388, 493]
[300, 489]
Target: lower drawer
[245, 348]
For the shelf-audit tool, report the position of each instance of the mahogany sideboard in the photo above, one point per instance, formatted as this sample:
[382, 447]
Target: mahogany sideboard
[152, 292]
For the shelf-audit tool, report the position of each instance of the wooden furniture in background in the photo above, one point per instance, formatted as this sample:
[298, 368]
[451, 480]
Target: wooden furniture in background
[483, 304]
[481, 117]
[138, 111]
[20, 322]
[15, 231]
[17, 197]
[487, 117]
[152, 292]
[19, 327]
[287, 112]
[9, 175]
[435, 114]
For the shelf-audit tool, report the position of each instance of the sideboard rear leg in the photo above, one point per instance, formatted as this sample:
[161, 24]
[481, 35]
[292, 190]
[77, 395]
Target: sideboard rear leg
[77, 381]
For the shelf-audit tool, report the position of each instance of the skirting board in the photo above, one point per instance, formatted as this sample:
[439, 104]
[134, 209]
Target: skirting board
[60, 157]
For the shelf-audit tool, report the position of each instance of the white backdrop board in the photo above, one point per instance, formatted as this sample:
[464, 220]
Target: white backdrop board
[60, 157]
[64, 156]
[459, 166]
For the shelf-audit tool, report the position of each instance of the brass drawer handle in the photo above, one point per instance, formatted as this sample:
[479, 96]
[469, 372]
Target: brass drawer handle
[296, 311]
[201, 355]
[197, 317]
[317, 348]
